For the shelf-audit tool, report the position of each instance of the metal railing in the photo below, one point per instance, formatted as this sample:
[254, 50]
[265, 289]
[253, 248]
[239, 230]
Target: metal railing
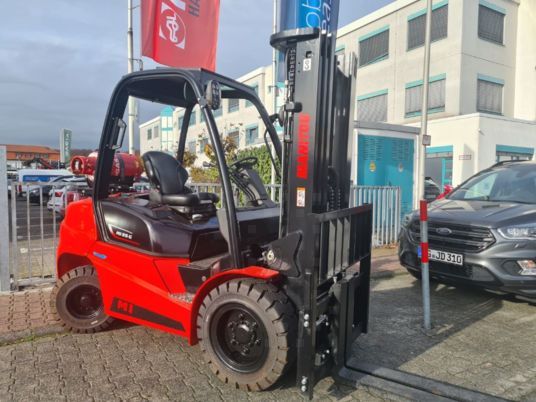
[385, 200]
[33, 226]
[33, 218]
[386, 211]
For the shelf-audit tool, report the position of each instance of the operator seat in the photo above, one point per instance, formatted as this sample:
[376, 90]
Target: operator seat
[168, 186]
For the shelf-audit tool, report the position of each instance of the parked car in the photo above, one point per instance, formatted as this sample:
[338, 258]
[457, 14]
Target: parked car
[27, 176]
[483, 233]
[58, 199]
[55, 182]
[431, 190]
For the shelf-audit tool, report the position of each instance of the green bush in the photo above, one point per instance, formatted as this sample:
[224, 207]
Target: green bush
[264, 164]
[211, 175]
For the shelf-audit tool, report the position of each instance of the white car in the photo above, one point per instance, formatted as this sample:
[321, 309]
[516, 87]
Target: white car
[70, 190]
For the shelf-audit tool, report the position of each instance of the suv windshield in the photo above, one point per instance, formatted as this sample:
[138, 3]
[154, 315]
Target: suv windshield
[508, 183]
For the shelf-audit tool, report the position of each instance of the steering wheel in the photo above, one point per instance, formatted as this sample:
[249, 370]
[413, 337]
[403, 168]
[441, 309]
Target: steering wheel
[245, 163]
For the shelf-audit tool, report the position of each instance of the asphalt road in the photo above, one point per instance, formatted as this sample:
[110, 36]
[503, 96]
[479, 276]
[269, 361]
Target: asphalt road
[29, 221]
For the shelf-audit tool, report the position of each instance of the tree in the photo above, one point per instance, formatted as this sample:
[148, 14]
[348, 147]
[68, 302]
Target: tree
[188, 159]
[232, 154]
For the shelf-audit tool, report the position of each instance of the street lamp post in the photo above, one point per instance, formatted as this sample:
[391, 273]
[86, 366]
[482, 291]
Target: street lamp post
[131, 101]
[424, 142]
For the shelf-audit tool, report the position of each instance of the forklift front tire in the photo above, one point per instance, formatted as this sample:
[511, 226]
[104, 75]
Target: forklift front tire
[76, 301]
[247, 332]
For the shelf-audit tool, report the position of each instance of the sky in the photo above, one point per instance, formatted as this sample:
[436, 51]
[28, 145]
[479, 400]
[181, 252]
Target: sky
[60, 60]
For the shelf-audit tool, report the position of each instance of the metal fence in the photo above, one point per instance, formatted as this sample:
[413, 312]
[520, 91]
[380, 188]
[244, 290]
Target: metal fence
[29, 226]
[386, 212]
[33, 218]
[386, 203]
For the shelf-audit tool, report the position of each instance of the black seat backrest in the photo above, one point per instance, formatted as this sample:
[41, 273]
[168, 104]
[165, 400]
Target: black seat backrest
[165, 173]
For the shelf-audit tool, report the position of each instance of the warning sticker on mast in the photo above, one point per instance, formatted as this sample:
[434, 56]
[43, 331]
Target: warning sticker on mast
[180, 33]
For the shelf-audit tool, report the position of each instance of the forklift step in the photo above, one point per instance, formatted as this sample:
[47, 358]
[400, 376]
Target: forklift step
[408, 385]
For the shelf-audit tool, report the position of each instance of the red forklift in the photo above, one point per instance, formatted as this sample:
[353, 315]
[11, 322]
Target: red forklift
[259, 286]
[262, 287]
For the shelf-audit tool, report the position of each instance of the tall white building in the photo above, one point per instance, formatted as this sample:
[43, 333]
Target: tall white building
[482, 84]
[482, 78]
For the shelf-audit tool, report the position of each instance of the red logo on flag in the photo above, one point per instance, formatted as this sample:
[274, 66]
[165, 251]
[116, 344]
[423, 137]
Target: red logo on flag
[180, 33]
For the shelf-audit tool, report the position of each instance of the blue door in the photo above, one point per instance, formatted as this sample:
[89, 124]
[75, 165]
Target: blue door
[387, 161]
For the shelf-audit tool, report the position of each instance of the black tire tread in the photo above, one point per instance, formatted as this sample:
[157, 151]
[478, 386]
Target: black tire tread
[281, 313]
[86, 270]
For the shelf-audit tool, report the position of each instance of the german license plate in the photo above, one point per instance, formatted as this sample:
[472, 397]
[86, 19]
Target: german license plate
[443, 256]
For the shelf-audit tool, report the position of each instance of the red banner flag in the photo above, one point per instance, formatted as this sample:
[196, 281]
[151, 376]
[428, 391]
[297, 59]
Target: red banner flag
[180, 33]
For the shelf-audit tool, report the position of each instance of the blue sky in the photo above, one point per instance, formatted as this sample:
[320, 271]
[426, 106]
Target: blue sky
[60, 59]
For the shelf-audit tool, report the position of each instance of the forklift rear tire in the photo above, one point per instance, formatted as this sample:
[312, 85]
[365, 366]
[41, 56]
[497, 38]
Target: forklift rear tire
[247, 332]
[77, 301]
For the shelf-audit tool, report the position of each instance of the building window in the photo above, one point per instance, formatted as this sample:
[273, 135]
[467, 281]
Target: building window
[436, 96]
[513, 153]
[417, 26]
[191, 147]
[374, 47]
[181, 121]
[252, 134]
[149, 134]
[235, 137]
[217, 112]
[491, 23]
[193, 120]
[203, 142]
[256, 89]
[233, 105]
[439, 164]
[489, 95]
[156, 131]
[372, 107]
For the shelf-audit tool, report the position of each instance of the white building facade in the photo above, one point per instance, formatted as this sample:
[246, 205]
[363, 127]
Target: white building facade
[482, 106]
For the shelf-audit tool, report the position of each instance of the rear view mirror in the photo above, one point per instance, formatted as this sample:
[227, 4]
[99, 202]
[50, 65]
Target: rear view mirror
[118, 135]
[213, 94]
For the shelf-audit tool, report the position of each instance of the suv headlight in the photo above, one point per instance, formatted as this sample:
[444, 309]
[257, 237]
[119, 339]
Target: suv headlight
[524, 232]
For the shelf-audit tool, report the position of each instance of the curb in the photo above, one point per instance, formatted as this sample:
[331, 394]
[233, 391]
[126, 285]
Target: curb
[10, 338]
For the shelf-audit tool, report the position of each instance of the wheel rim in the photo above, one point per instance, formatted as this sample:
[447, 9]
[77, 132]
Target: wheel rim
[239, 338]
[84, 302]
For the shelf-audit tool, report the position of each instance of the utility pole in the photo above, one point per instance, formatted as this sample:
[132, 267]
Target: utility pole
[131, 101]
[274, 96]
[424, 142]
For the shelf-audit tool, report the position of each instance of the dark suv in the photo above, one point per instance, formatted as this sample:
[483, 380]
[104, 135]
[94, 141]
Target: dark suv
[483, 233]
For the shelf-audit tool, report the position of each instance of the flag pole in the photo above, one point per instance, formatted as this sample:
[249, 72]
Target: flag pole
[131, 101]
[424, 142]
[274, 94]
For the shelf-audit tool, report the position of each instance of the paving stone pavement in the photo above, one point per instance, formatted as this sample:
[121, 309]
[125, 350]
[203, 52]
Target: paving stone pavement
[25, 314]
[480, 341]
[133, 364]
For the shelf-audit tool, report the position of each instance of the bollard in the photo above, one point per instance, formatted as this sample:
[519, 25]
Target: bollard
[425, 274]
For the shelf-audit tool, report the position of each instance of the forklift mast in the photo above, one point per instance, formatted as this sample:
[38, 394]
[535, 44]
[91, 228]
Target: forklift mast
[327, 242]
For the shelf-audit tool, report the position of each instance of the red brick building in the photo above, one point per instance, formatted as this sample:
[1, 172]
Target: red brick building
[18, 154]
